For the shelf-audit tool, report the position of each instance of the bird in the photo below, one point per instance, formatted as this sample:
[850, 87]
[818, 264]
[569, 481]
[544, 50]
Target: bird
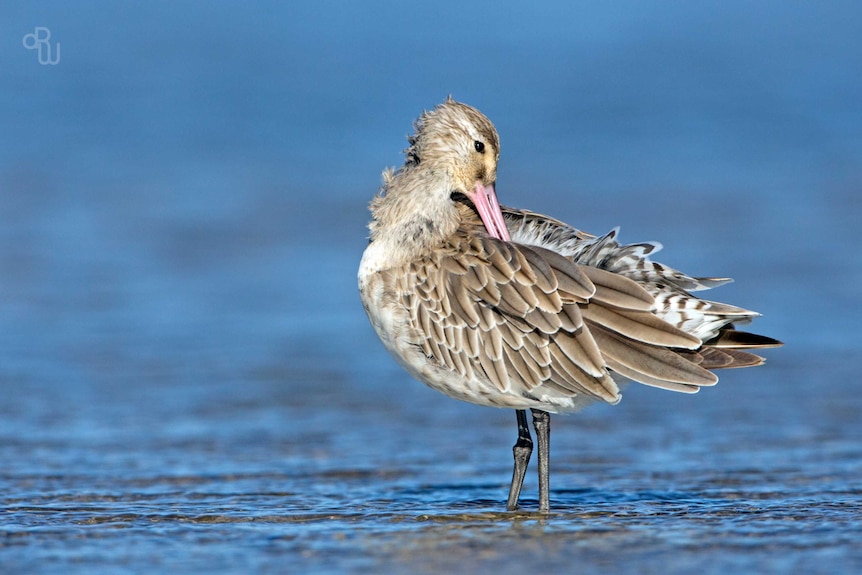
[508, 308]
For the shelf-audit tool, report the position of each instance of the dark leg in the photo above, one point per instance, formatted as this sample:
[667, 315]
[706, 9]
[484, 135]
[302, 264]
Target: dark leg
[542, 423]
[522, 450]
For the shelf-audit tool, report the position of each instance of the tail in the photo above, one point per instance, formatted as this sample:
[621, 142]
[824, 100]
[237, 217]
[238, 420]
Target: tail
[725, 350]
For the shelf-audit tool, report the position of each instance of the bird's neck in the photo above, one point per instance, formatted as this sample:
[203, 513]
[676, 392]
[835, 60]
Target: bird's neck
[413, 214]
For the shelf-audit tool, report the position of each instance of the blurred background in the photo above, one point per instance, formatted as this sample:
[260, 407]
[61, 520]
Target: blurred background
[183, 192]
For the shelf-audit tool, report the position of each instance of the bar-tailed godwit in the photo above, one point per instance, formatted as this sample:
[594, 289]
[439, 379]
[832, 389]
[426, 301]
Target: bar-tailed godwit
[509, 308]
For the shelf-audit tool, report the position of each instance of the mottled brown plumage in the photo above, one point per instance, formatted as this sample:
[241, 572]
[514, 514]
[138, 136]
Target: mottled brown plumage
[509, 308]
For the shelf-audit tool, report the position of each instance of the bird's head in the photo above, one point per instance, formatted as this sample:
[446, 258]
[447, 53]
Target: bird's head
[458, 142]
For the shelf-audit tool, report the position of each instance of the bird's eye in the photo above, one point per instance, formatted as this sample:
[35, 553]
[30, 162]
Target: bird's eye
[480, 146]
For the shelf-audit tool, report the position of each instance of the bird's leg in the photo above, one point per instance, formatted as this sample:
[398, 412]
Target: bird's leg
[542, 423]
[522, 450]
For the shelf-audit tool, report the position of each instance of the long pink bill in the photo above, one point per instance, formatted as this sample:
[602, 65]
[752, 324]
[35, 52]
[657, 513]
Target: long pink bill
[485, 200]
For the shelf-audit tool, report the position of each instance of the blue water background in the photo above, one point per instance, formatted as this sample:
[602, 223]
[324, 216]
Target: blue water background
[188, 380]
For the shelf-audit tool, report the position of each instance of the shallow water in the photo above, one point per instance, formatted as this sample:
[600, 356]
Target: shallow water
[206, 476]
[188, 381]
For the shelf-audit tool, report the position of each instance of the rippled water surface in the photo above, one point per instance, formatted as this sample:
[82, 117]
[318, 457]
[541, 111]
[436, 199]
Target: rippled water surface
[187, 379]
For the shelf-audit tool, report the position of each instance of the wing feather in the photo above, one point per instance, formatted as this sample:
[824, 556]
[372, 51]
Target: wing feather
[526, 318]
